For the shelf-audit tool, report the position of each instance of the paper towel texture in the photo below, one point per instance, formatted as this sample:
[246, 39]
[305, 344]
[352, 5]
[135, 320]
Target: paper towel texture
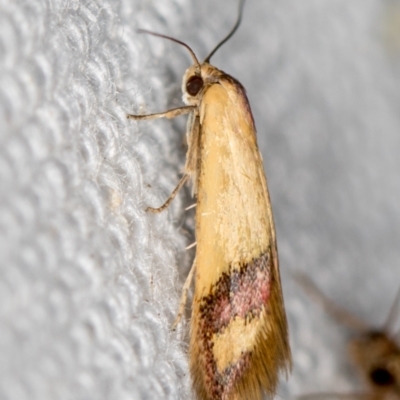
[89, 282]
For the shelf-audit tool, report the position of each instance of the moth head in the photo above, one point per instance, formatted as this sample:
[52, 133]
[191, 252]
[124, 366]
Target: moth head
[198, 75]
[196, 80]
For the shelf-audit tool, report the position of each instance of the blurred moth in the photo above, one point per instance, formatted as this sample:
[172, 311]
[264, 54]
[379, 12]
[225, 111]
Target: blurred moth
[376, 352]
[239, 335]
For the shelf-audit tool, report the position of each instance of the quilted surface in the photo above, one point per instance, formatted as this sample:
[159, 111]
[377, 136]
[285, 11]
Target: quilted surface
[90, 283]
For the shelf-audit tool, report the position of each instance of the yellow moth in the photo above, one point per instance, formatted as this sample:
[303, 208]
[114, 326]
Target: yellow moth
[375, 351]
[238, 335]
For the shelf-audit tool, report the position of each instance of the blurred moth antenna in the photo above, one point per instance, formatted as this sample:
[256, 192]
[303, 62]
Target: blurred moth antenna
[393, 314]
[337, 312]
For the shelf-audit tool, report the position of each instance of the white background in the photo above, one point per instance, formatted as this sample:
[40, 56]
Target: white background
[90, 283]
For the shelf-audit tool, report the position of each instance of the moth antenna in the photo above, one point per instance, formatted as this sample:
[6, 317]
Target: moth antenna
[195, 60]
[231, 33]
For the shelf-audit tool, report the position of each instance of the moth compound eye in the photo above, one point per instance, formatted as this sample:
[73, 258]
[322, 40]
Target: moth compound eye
[381, 377]
[194, 85]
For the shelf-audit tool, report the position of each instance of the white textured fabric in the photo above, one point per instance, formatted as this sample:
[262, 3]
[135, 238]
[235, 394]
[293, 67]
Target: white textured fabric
[89, 282]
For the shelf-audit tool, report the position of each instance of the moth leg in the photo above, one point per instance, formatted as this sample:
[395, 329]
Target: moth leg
[337, 312]
[184, 296]
[190, 207]
[171, 197]
[175, 112]
[191, 246]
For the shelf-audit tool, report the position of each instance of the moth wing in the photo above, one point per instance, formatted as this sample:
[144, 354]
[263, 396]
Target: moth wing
[239, 331]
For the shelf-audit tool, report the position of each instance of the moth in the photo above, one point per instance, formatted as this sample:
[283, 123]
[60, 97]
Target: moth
[238, 333]
[375, 352]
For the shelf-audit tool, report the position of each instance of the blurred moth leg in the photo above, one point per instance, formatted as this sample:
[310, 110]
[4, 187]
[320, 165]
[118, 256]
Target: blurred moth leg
[337, 312]
[184, 296]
